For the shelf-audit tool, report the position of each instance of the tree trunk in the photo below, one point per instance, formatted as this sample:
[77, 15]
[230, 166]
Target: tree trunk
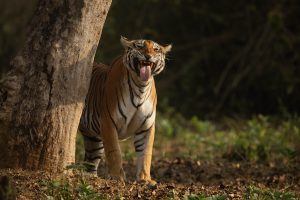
[42, 96]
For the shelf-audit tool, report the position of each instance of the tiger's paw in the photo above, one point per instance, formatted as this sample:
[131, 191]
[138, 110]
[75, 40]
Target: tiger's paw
[118, 176]
[148, 182]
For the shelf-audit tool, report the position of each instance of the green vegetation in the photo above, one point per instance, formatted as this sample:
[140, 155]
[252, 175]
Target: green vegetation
[69, 189]
[65, 190]
[252, 193]
[258, 139]
[203, 197]
[255, 193]
[57, 190]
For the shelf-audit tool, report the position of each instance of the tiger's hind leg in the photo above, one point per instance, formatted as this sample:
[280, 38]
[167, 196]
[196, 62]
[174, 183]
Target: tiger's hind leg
[94, 150]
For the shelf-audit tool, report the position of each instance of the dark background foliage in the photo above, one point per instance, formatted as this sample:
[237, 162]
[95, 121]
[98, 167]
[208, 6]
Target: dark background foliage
[228, 57]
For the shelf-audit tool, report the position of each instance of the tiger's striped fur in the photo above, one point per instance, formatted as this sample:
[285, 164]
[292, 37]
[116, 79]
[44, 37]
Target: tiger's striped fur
[121, 102]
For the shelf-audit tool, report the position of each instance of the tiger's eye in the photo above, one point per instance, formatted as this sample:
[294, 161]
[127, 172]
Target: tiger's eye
[138, 46]
[156, 49]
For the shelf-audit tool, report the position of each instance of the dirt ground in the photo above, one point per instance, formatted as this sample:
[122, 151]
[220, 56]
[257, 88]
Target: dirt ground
[177, 179]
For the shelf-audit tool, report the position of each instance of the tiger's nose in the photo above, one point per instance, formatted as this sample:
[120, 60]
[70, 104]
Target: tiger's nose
[147, 56]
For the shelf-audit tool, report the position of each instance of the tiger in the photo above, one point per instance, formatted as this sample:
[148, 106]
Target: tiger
[121, 103]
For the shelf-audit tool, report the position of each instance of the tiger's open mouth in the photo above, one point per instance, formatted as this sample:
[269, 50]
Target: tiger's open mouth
[146, 69]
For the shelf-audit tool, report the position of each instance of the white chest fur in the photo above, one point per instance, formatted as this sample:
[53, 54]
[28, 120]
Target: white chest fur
[135, 112]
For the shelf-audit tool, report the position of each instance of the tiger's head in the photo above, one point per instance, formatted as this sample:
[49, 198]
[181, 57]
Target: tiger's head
[145, 58]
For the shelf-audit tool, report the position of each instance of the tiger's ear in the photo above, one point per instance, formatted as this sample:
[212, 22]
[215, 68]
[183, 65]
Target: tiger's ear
[167, 48]
[125, 42]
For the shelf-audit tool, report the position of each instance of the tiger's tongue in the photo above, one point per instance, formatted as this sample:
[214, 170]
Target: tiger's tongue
[145, 72]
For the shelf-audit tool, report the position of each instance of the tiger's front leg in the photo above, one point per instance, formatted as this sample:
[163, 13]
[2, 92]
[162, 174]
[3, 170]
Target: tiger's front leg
[143, 142]
[112, 151]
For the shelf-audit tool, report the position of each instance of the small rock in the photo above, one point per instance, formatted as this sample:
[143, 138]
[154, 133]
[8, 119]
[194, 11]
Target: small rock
[231, 195]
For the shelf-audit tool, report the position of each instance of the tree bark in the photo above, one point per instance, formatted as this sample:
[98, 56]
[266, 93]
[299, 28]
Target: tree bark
[42, 96]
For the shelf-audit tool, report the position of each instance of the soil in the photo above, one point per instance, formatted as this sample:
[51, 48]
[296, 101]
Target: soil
[176, 179]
